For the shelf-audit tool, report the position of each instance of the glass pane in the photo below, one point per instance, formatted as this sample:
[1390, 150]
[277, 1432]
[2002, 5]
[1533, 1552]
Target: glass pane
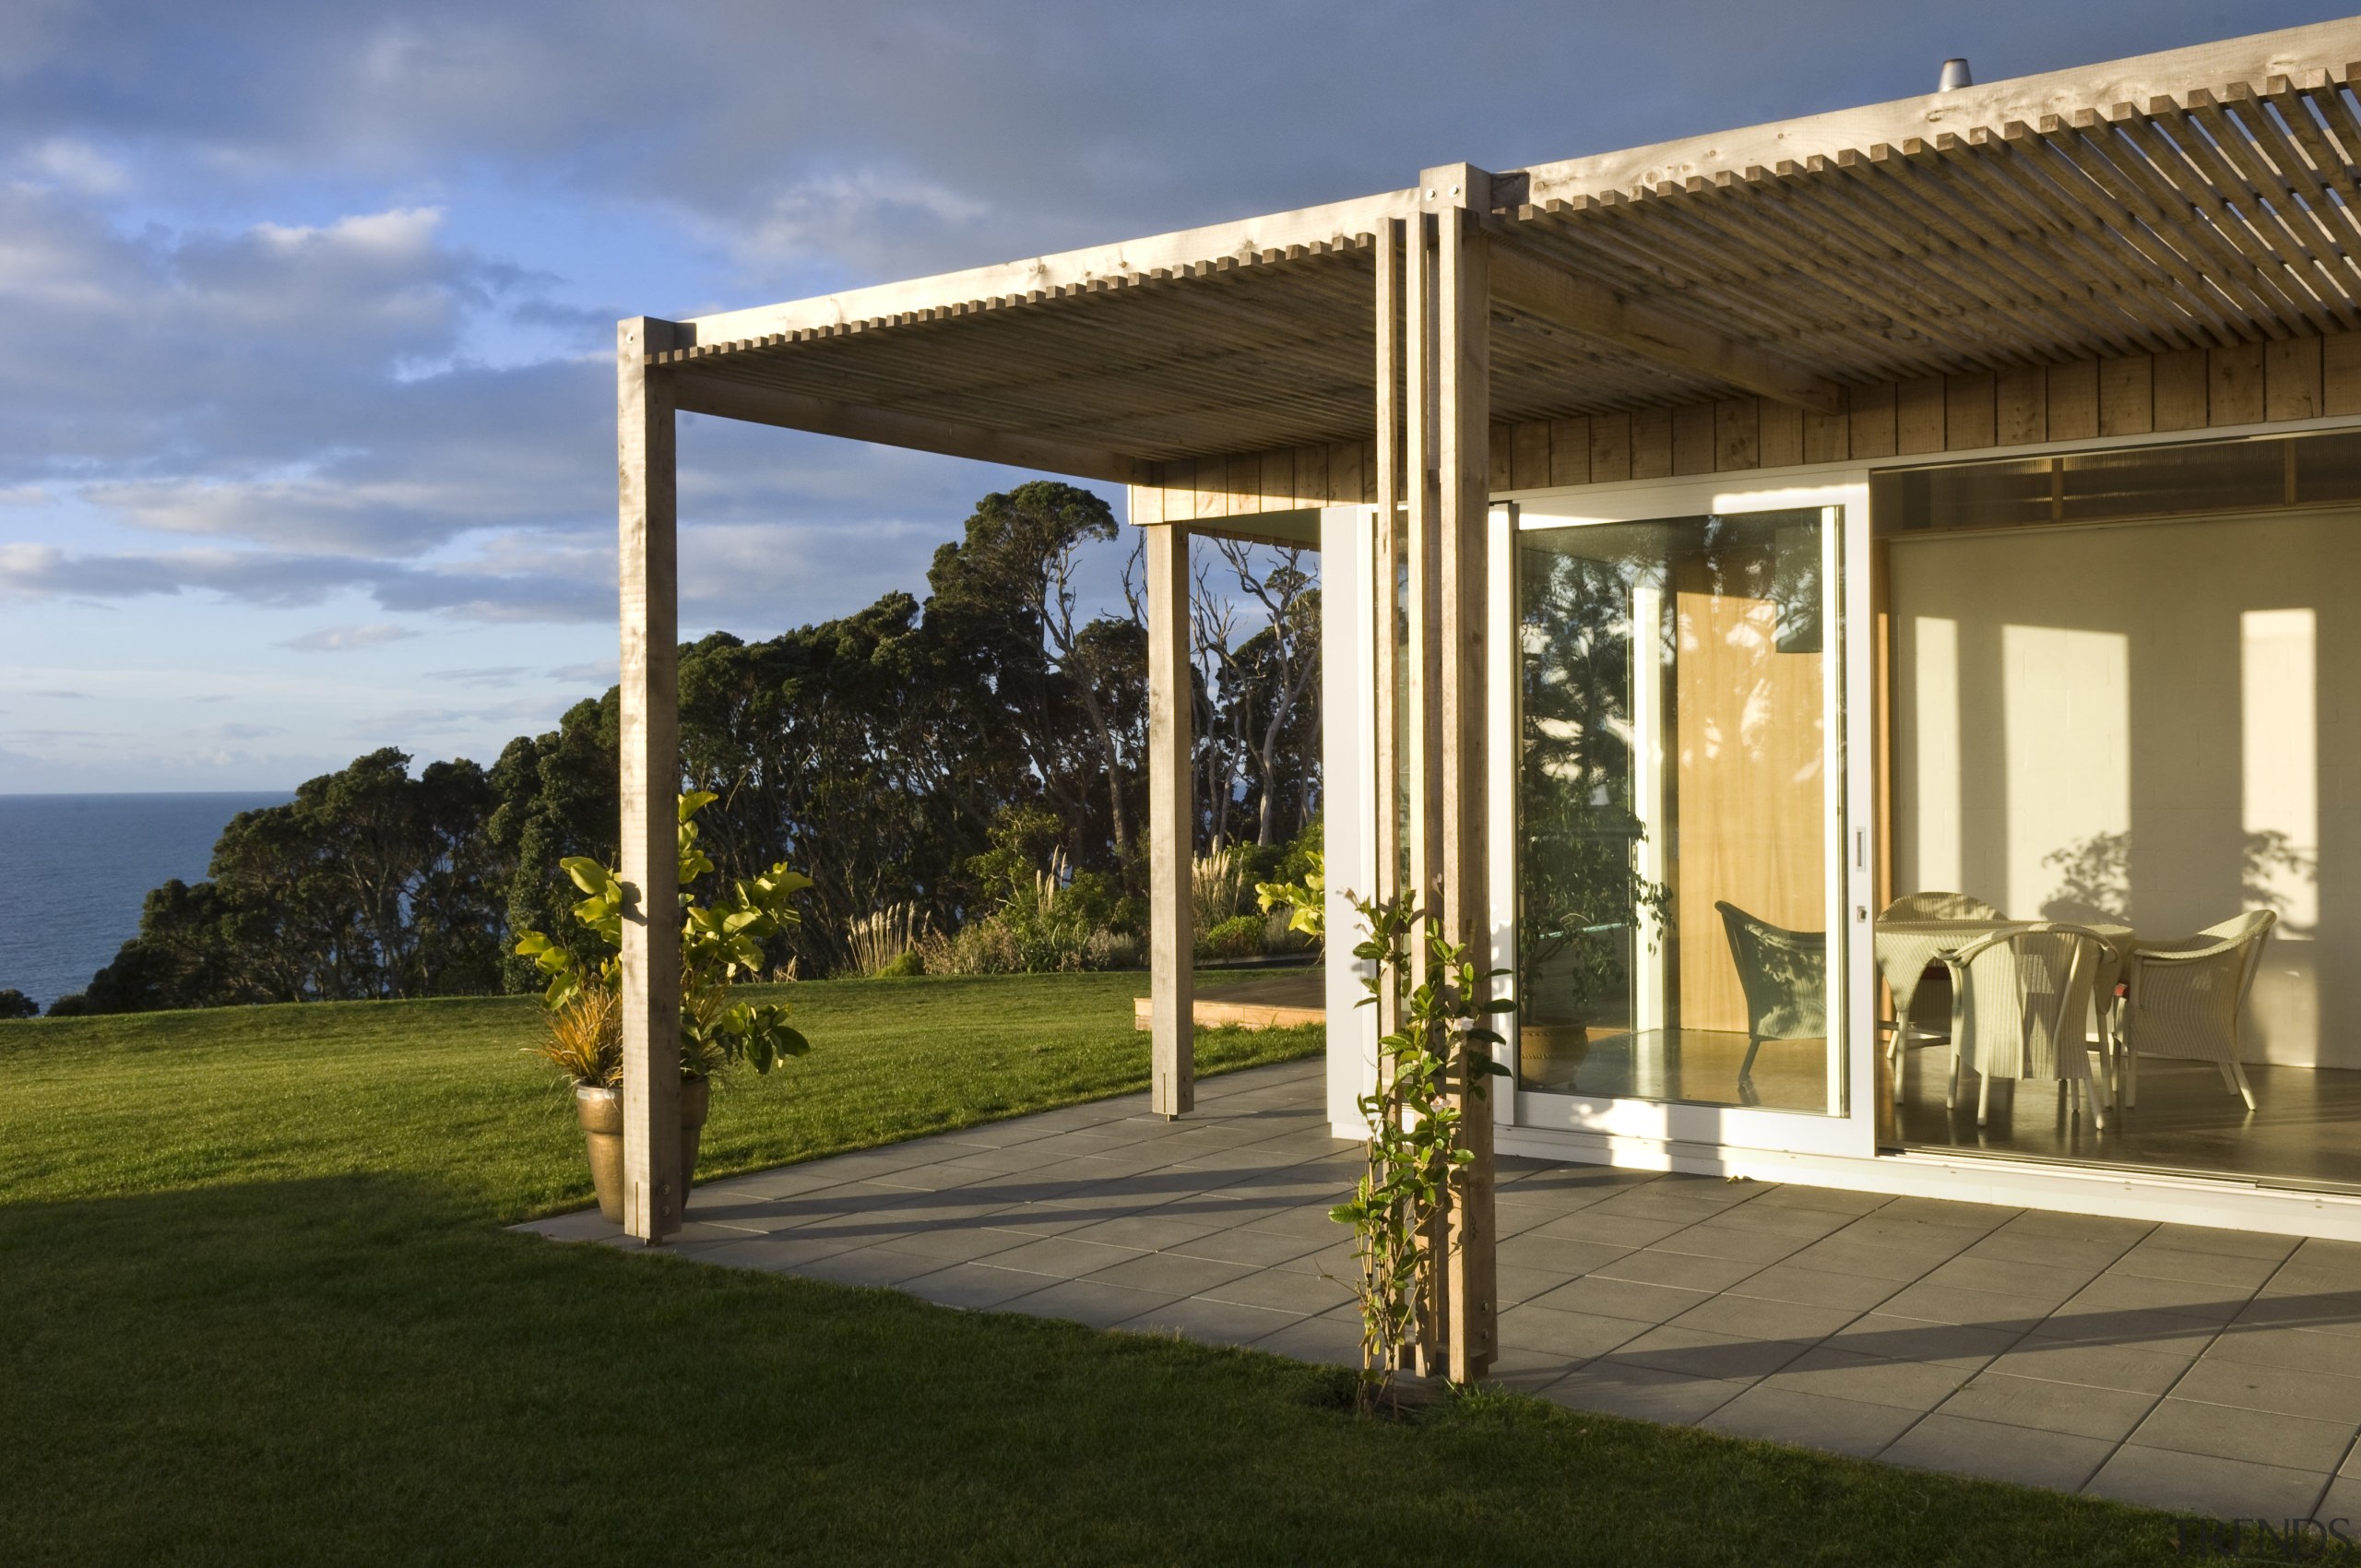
[2327, 467]
[1670, 785]
[1968, 496]
[2160, 481]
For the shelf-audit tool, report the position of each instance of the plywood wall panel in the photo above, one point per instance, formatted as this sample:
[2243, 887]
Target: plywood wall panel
[1570, 451]
[2074, 400]
[2127, 396]
[2291, 379]
[1610, 449]
[2180, 390]
[2341, 373]
[1919, 415]
[2233, 385]
[2020, 405]
[1970, 417]
[1737, 434]
[1779, 429]
[1828, 438]
[1652, 444]
[1872, 421]
[1692, 439]
[1750, 783]
[1529, 455]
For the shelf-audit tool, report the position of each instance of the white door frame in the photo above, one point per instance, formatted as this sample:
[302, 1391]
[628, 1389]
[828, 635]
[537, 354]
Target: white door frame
[1648, 1129]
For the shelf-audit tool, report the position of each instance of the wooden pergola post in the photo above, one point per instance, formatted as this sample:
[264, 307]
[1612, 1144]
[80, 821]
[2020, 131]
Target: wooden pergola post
[1431, 726]
[1171, 823]
[1460, 194]
[647, 559]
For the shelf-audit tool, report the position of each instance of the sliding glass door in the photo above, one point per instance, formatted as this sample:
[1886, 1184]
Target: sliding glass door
[1680, 879]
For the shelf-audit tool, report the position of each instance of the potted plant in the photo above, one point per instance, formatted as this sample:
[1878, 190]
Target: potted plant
[720, 942]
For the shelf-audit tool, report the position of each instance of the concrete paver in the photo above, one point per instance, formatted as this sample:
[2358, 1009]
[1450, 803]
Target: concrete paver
[2183, 1368]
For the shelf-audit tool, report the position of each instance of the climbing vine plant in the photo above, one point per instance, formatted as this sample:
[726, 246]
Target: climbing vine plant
[1416, 1155]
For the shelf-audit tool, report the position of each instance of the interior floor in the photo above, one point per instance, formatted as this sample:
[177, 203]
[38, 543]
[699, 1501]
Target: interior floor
[2304, 1129]
[1694, 1066]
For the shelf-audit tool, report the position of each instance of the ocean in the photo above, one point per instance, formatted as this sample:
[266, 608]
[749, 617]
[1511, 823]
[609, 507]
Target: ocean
[76, 867]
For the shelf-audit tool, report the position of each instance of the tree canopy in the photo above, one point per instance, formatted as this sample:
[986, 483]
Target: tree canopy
[893, 755]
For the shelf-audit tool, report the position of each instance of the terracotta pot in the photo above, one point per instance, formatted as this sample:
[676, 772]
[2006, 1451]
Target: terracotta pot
[600, 1111]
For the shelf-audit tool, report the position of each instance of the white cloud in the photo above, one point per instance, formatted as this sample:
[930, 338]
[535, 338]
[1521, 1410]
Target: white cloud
[76, 165]
[344, 640]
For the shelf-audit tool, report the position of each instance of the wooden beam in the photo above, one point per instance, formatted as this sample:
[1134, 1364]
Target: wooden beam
[1093, 265]
[1171, 825]
[1593, 310]
[647, 568]
[1296, 529]
[703, 392]
[1462, 366]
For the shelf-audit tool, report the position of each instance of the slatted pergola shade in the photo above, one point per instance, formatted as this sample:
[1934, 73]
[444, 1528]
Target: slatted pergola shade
[2190, 201]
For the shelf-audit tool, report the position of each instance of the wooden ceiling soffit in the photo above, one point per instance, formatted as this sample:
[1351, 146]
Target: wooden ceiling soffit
[703, 393]
[1593, 310]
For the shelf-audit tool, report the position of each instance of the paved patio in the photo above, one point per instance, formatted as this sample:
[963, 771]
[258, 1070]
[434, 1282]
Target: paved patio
[2186, 1368]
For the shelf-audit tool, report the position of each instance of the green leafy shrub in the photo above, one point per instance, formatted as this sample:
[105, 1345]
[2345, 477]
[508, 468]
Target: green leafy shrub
[1433, 1070]
[1042, 920]
[1298, 898]
[1240, 936]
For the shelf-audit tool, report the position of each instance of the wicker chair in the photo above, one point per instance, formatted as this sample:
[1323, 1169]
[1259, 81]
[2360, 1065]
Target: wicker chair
[1785, 976]
[2019, 1002]
[1939, 907]
[1925, 907]
[2182, 998]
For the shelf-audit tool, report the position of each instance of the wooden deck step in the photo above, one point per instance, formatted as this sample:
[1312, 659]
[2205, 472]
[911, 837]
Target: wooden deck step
[1275, 1001]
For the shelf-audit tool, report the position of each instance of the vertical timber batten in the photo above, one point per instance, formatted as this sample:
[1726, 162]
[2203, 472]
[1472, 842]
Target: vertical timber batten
[1386, 619]
[647, 574]
[1421, 734]
[1172, 825]
[1462, 424]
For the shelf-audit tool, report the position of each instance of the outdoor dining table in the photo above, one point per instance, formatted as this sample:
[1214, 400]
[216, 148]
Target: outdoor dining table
[1905, 949]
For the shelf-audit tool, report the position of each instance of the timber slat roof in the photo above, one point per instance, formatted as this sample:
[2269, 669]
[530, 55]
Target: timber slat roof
[2190, 200]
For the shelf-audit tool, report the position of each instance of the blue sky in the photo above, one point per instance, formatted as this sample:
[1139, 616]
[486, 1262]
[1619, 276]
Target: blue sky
[307, 423]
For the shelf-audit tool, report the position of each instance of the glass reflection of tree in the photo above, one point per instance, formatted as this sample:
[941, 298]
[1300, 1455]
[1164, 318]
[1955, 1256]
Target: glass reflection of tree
[1579, 894]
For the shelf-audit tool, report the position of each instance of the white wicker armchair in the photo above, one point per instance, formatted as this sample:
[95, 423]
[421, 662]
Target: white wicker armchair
[1924, 907]
[2019, 1001]
[2183, 998]
[1939, 907]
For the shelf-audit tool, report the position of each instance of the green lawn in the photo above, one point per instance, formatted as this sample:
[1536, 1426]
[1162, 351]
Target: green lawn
[256, 1305]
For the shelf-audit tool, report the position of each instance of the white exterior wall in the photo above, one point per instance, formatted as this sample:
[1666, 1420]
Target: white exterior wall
[1348, 775]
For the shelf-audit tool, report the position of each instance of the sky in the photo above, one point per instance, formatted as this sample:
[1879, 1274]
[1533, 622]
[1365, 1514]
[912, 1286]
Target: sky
[306, 417]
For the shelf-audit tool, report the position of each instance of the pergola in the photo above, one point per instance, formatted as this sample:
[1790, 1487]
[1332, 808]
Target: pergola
[2160, 243]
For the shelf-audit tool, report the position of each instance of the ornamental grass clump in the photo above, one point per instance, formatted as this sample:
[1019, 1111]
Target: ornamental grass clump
[582, 1036]
[885, 941]
[1428, 1071]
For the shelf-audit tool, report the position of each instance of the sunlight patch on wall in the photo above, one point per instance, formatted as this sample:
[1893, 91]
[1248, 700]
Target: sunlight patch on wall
[2278, 663]
[2067, 696]
[1935, 679]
